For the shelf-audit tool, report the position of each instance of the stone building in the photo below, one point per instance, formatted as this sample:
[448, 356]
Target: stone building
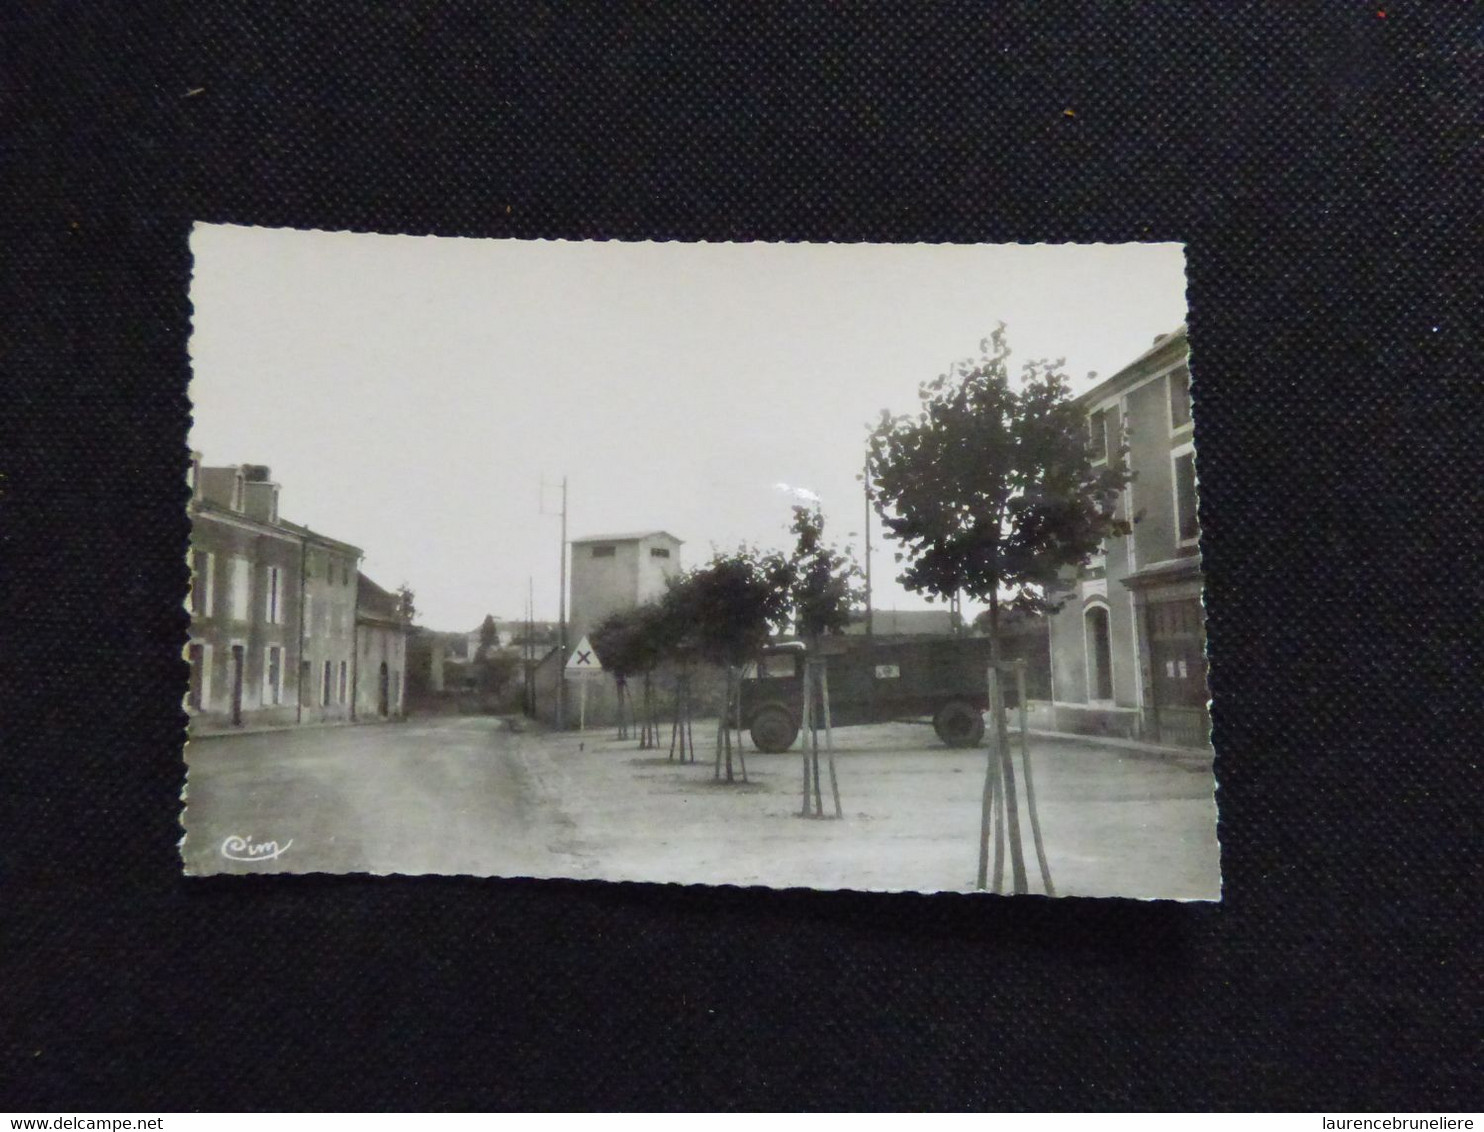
[274, 621]
[246, 623]
[610, 573]
[1128, 647]
[381, 652]
[327, 647]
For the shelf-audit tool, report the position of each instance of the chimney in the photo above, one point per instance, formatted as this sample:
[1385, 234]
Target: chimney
[260, 500]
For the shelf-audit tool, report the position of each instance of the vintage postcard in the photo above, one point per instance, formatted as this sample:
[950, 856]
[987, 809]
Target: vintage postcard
[832, 566]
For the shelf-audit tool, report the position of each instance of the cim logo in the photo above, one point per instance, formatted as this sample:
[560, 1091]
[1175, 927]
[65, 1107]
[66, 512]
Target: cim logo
[237, 848]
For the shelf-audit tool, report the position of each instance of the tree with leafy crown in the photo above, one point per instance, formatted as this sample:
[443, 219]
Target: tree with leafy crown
[631, 644]
[731, 606]
[992, 491]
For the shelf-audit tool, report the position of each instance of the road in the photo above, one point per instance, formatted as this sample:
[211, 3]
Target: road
[467, 795]
[448, 795]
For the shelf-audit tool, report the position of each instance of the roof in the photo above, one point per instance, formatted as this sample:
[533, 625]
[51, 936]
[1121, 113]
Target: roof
[315, 536]
[374, 604]
[1175, 570]
[905, 622]
[202, 508]
[627, 536]
[1131, 371]
[373, 601]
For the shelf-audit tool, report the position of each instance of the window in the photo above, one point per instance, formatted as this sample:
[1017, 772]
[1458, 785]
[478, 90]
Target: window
[1097, 425]
[1187, 523]
[241, 589]
[304, 670]
[309, 613]
[659, 552]
[324, 690]
[274, 608]
[201, 563]
[1099, 654]
[273, 693]
[1180, 399]
[343, 684]
[779, 665]
[604, 551]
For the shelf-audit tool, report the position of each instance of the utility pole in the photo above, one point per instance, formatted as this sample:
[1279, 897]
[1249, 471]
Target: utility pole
[561, 692]
[529, 649]
[866, 479]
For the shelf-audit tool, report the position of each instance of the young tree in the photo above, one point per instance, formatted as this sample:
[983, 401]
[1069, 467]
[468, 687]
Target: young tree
[486, 670]
[671, 631]
[733, 605]
[992, 490]
[824, 585]
[823, 591]
[489, 637]
[406, 603]
[619, 640]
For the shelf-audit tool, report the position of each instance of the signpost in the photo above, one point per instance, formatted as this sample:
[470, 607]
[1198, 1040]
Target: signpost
[584, 664]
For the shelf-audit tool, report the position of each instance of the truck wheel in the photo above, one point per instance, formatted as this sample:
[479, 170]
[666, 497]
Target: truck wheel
[773, 729]
[959, 724]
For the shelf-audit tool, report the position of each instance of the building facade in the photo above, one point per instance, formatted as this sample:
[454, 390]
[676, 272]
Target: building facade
[608, 574]
[245, 614]
[1128, 646]
[380, 652]
[611, 573]
[326, 654]
[274, 610]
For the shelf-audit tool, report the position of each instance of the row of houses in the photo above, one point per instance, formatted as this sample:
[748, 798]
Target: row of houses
[285, 629]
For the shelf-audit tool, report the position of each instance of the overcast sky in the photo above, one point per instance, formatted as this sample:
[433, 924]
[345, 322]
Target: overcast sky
[411, 393]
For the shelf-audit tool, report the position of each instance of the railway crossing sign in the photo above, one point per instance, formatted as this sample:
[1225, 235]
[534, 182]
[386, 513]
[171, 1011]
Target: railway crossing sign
[584, 660]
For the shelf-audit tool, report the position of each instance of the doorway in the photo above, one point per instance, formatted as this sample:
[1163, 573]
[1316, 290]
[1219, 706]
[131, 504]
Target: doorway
[238, 664]
[195, 696]
[1178, 662]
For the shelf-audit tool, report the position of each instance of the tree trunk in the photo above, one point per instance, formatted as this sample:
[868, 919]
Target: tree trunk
[829, 735]
[682, 740]
[1002, 744]
[807, 722]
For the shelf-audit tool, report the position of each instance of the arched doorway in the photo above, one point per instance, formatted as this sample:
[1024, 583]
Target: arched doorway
[1099, 653]
[383, 688]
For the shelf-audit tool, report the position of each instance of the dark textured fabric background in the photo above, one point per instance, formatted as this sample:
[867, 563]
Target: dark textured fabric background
[1322, 161]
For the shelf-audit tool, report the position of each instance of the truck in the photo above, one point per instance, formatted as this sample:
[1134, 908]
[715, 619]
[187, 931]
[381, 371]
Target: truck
[874, 680]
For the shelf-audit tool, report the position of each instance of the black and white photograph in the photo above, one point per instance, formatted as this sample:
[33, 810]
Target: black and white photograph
[829, 566]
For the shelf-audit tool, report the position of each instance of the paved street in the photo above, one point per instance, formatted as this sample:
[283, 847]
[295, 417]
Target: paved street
[467, 795]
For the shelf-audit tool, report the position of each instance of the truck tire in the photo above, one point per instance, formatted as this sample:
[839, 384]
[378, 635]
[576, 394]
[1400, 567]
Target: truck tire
[773, 729]
[959, 724]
